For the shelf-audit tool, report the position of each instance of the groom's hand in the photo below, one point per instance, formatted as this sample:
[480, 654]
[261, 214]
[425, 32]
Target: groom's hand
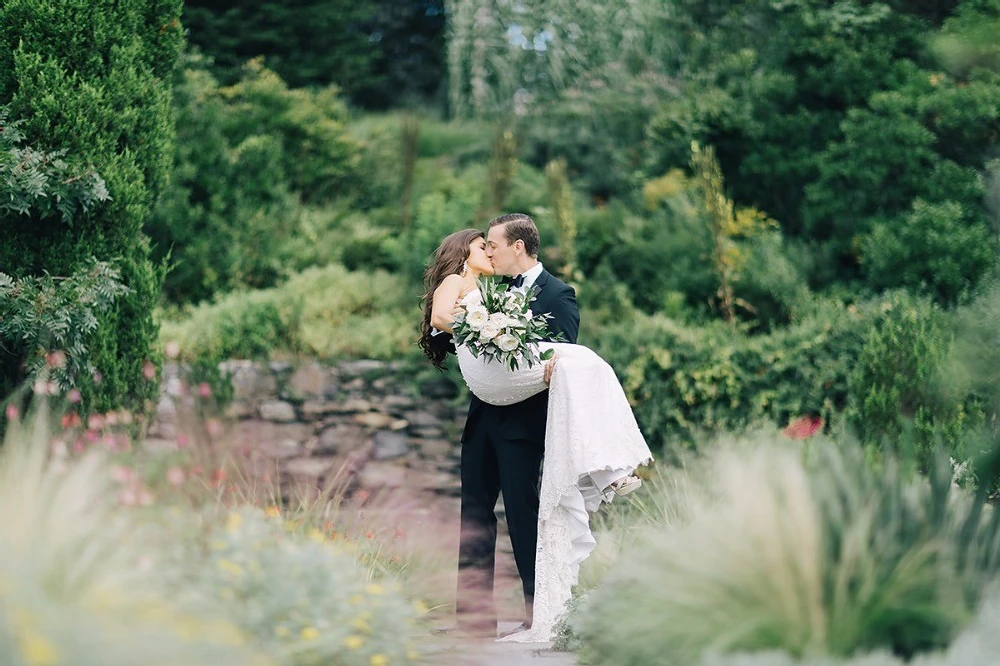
[549, 367]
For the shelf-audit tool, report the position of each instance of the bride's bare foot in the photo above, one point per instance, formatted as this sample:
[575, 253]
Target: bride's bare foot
[625, 485]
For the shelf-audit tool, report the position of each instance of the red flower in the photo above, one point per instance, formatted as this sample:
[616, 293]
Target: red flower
[803, 427]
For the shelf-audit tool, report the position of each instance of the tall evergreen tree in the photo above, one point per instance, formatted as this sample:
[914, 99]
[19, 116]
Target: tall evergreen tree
[88, 77]
[378, 53]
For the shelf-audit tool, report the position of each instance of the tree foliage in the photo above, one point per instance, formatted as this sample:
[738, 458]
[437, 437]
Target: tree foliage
[834, 118]
[379, 53]
[88, 79]
[251, 158]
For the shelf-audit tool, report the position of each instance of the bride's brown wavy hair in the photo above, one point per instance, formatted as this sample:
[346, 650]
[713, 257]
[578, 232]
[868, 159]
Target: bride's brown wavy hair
[448, 260]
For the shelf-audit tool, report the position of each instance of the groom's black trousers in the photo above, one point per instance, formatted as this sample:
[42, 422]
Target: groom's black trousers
[492, 463]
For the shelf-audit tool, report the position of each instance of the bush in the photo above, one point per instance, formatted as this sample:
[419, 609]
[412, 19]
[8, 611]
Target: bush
[247, 158]
[934, 248]
[48, 323]
[76, 586]
[329, 313]
[303, 600]
[825, 556]
[91, 81]
[684, 381]
[897, 379]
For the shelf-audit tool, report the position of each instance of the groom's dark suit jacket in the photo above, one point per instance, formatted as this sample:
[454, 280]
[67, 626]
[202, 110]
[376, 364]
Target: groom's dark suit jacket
[526, 420]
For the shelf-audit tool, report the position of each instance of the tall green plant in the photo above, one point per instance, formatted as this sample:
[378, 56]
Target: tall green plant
[90, 79]
[822, 555]
[561, 204]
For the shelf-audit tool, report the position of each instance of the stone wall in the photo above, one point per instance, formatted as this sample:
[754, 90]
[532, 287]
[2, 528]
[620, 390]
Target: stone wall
[363, 423]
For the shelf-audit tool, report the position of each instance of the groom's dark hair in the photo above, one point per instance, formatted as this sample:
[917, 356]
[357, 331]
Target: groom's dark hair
[519, 227]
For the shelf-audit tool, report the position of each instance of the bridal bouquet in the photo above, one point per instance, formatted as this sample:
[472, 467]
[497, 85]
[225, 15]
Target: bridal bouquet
[503, 328]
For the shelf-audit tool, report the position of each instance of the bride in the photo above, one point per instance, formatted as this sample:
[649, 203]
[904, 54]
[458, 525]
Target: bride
[592, 442]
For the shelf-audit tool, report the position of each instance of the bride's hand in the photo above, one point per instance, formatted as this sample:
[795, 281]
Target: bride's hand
[549, 368]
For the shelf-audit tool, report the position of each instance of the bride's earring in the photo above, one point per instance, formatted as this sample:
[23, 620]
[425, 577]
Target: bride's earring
[465, 268]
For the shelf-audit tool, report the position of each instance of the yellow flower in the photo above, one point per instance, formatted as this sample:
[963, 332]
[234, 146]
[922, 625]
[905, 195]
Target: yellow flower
[272, 512]
[379, 660]
[37, 650]
[375, 588]
[317, 536]
[310, 634]
[420, 606]
[412, 655]
[233, 522]
[282, 631]
[354, 642]
[356, 599]
[231, 567]
[361, 624]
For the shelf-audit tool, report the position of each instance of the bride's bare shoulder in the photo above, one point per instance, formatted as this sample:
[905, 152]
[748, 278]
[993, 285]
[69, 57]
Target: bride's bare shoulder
[450, 282]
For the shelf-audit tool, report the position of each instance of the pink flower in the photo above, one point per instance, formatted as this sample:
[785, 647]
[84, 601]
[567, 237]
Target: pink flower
[144, 497]
[172, 349]
[175, 476]
[204, 390]
[127, 497]
[122, 474]
[218, 476]
[123, 442]
[183, 441]
[213, 427]
[11, 412]
[74, 396]
[98, 377]
[95, 421]
[109, 442]
[111, 418]
[149, 370]
[78, 446]
[91, 436]
[803, 427]
[56, 359]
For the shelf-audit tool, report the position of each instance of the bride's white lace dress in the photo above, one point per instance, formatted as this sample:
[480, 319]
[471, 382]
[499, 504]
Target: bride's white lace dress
[591, 439]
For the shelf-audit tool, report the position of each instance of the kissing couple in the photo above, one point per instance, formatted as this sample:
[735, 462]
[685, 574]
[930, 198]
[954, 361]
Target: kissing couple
[567, 418]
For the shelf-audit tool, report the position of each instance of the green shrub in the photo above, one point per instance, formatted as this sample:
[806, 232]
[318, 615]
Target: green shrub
[329, 313]
[897, 379]
[934, 248]
[91, 80]
[48, 323]
[683, 380]
[78, 583]
[303, 599]
[255, 164]
[806, 557]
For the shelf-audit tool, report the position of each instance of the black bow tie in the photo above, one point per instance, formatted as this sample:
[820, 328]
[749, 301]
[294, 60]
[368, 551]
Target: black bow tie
[517, 281]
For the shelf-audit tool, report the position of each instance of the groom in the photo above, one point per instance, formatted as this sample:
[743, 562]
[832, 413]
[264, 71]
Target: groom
[502, 447]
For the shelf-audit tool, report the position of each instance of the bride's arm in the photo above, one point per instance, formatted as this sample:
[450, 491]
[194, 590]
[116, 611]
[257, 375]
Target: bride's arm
[444, 305]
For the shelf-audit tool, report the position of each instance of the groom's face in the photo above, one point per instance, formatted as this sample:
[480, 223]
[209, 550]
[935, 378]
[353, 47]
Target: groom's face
[504, 256]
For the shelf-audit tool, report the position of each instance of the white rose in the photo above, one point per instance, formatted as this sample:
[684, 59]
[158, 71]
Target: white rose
[507, 342]
[500, 320]
[477, 317]
[488, 332]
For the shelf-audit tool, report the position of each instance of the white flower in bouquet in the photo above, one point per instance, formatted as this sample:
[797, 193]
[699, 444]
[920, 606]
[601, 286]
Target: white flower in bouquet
[507, 342]
[500, 320]
[503, 328]
[489, 331]
[477, 317]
